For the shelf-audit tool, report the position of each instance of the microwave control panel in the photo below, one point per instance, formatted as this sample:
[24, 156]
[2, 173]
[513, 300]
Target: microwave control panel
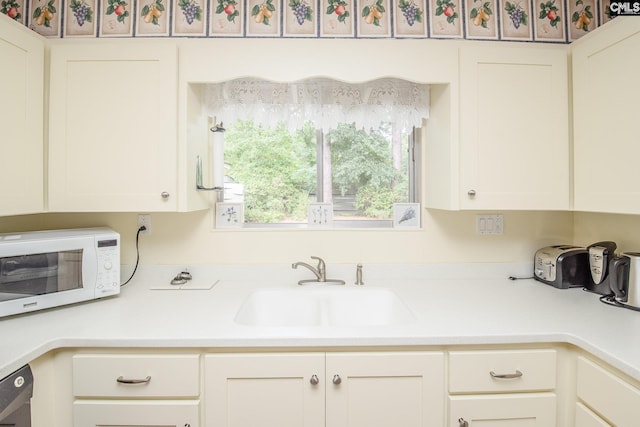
[108, 280]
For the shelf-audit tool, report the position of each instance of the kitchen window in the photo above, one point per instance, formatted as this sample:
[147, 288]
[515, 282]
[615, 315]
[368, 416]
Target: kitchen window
[320, 140]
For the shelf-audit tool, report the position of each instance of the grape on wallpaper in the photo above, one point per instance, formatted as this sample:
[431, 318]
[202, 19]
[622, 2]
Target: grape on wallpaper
[44, 17]
[549, 21]
[227, 18]
[153, 18]
[374, 19]
[13, 9]
[79, 19]
[116, 19]
[515, 20]
[444, 18]
[299, 19]
[337, 19]
[410, 19]
[188, 18]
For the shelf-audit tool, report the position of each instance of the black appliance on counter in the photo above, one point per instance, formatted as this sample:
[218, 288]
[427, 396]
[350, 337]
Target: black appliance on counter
[562, 266]
[15, 398]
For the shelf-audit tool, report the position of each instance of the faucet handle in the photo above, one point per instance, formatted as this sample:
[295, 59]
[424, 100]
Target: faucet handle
[321, 265]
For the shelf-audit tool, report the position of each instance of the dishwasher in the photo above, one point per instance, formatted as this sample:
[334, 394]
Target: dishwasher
[15, 398]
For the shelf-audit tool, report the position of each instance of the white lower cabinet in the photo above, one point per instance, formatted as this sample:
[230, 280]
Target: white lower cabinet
[132, 390]
[604, 393]
[325, 389]
[502, 388]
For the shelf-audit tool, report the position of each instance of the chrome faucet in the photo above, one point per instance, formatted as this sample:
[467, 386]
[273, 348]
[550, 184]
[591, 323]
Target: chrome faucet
[320, 271]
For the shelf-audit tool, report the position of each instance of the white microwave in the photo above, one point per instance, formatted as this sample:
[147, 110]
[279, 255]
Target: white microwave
[44, 269]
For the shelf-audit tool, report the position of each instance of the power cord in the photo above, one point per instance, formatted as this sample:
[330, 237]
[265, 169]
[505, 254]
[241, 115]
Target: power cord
[142, 228]
[610, 300]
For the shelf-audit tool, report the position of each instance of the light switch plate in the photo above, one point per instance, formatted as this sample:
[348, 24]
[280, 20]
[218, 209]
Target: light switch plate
[489, 224]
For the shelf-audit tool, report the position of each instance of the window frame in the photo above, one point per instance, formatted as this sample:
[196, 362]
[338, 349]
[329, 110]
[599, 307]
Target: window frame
[414, 173]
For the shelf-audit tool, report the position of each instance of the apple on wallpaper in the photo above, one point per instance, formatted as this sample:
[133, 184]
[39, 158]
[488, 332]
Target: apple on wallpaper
[227, 18]
[14, 9]
[337, 18]
[116, 18]
[549, 21]
[445, 18]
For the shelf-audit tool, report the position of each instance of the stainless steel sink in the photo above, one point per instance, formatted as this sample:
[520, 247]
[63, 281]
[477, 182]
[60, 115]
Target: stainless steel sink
[319, 306]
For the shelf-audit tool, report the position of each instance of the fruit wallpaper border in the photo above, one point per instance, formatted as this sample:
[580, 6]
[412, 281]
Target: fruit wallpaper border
[560, 21]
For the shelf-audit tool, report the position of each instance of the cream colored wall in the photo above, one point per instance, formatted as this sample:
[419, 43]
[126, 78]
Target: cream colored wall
[189, 238]
[594, 227]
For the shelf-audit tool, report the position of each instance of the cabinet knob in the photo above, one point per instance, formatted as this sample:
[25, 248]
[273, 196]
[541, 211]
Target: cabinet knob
[164, 195]
[336, 379]
[314, 380]
[471, 193]
[462, 422]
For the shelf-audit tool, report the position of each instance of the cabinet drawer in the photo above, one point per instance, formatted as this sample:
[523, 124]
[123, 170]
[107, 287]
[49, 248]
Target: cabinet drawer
[136, 375]
[586, 418]
[523, 370]
[114, 413]
[608, 395]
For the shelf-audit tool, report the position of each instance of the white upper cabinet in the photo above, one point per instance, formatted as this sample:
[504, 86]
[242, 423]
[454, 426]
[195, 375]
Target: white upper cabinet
[113, 126]
[514, 128]
[21, 119]
[606, 64]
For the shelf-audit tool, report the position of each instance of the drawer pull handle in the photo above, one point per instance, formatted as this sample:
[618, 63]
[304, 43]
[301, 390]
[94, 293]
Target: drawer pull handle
[517, 374]
[462, 422]
[124, 380]
[336, 379]
[314, 380]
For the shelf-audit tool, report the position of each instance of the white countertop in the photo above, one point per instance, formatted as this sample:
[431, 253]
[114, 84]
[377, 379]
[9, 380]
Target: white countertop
[471, 304]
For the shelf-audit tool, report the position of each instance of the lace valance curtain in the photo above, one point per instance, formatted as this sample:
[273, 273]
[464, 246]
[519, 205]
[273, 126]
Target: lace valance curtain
[324, 102]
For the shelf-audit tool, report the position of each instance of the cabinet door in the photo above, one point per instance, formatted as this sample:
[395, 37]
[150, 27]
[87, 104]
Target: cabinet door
[605, 118]
[385, 389]
[21, 119]
[266, 390]
[112, 126]
[512, 410]
[100, 413]
[514, 129]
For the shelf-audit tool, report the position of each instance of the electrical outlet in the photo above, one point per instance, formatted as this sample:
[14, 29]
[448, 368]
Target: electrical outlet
[145, 220]
[489, 224]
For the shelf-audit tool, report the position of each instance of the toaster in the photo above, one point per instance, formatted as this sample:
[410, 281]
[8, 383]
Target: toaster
[562, 266]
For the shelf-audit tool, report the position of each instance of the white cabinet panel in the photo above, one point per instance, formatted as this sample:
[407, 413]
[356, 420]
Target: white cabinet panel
[605, 117]
[609, 395]
[141, 375]
[521, 370]
[514, 131]
[511, 410]
[266, 390]
[586, 418]
[116, 413]
[21, 119]
[112, 126]
[385, 389]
